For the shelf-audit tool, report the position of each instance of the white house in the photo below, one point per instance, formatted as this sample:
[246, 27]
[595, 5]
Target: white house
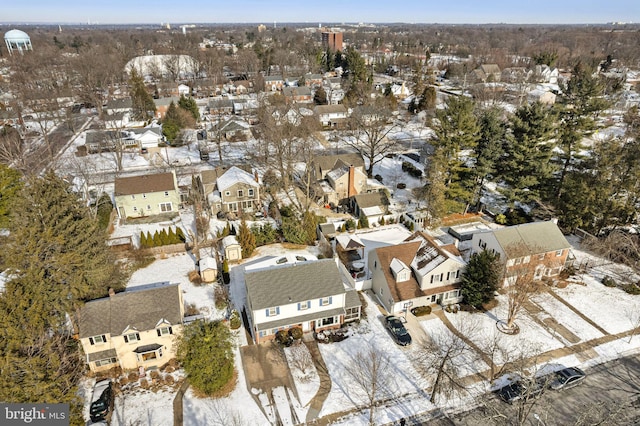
[310, 295]
[418, 272]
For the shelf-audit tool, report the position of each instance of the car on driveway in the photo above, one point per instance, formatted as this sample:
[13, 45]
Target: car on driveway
[567, 378]
[101, 401]
[521, 389]
[397, 330]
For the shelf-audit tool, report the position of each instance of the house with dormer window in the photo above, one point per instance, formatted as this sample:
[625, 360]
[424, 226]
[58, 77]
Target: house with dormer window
[419, 272]
[311, 295]
[132, 329]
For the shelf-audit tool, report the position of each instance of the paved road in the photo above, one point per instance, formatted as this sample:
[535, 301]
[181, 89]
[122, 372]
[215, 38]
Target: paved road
[610, 395]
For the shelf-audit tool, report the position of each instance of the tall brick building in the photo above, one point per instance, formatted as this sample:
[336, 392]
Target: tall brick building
[332, 40]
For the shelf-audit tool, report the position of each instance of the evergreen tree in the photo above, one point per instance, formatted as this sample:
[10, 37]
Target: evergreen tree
[246, 240]
[10, 185]
[164, 237]
[142, 103]
[157, 240]
[143, 240]
[292, 230]
[170, 123]
[309, 224]
[180, 235]
[493, 131]
[481, 278]
[457, 130]
[150, 240]
[582, 100]
[525, 165]
[205, 350]
[104, 209]
[172, 237]
[433, 191]
[58, 259]
[189, 104]
[363, 221]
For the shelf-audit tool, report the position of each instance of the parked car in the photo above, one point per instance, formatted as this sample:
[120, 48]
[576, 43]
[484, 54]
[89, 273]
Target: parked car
[521, 390]
[567, 378]
[397, 330]
[101, 401]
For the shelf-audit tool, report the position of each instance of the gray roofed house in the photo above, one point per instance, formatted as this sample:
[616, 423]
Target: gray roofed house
[537, 247]
[132, 329]
[310, 295]
[323, 164]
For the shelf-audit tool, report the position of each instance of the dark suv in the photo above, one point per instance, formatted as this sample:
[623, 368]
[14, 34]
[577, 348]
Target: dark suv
[397, 330]
[522, 389]
[101, 401]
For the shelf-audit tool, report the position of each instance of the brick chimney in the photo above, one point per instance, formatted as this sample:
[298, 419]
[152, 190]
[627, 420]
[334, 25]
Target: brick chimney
[351, 189]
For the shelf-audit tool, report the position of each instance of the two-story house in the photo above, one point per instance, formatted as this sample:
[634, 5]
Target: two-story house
[236, 191]
[296, 94]
[419, 272]
[310, 295]
[273, 83]
[331, 116]
[146, 195]
[133, 329]
[537, 247]
[339, 176]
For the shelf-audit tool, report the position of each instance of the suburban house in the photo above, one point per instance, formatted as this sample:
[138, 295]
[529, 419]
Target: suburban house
[162, 105]
[132, 329]
[273, 83]
[487, 73]
[310, 295]
[331, 116]
[339, 176]
[146, 195]
[233, 129]
[418, 272]
[115, 106]
[544, 74]
[313, 80]
[539, 245]
[220, 106]
[372, 205]
[297, 94]
[236, 191]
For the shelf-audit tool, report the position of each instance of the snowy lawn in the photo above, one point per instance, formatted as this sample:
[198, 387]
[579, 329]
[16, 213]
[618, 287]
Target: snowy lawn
[306, 382]
[401, 379]
[610, 308]
[565, 316]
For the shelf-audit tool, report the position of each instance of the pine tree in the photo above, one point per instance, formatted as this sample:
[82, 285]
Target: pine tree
[164, 237]
[58, 259]
[180, 235]
[10, 185]
[246, 240]
[172, 237]
[525, 166]
[363, 221]
[157, 240]
[143, 240]
[310, 225]
[493, 131]
[189, 104]
[150, 242]
[143, 106]
[481, 278]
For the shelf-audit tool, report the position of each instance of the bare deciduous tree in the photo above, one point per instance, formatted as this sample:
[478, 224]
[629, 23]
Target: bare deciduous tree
[370, 376]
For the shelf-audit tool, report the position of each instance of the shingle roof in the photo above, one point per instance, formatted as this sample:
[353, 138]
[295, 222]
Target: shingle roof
[281, 285]
[140, 309]
[144, 184]
[537, 237]
[405, 253]
[330, 109]
[120, 103]
[371, 199]
[330, 162]
[235, 175]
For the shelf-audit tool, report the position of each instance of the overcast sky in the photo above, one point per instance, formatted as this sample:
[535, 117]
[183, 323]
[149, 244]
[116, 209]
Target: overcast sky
[322, 11]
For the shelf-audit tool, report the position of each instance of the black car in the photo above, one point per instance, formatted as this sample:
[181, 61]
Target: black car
[521, 390]
[397, 330]
[101, 401]
[567, 378]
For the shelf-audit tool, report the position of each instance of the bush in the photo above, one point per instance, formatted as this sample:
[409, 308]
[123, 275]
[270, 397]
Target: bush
[296, 333]
[221, 297]
[155, 375]
[195, 277]
[234, 321]
[609, 282]
[421, 311]
[378, 178]
[284, 338]
[516, 216]
[501, 219]
[631, 289]
[567, 272]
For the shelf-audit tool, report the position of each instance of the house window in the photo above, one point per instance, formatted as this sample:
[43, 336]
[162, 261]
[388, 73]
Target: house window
[166, 193]
[240, 193]
[133, 197]
[135, 209]
[98, 340]
[352, 314]
[246, 204]
[233, 207]
[131, 337]
[458, 273]
[106, 361]
[375, 263]
[559, 252]
[541, 256]
[148, 207]
[165, 207]
[303, 306]
[448, 275]
[325, 301]
[272, 312]
[518, 261]
[327, 321]
[227, 193]
[250, 192]
[163, 331]
[144, 195]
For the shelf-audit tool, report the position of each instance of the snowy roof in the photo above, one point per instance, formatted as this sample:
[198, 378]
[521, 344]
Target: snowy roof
[397, 266]
[208, 262]
[229, 240]
[235, 175]
[431, 254]
[372, 211]
[349, 242]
